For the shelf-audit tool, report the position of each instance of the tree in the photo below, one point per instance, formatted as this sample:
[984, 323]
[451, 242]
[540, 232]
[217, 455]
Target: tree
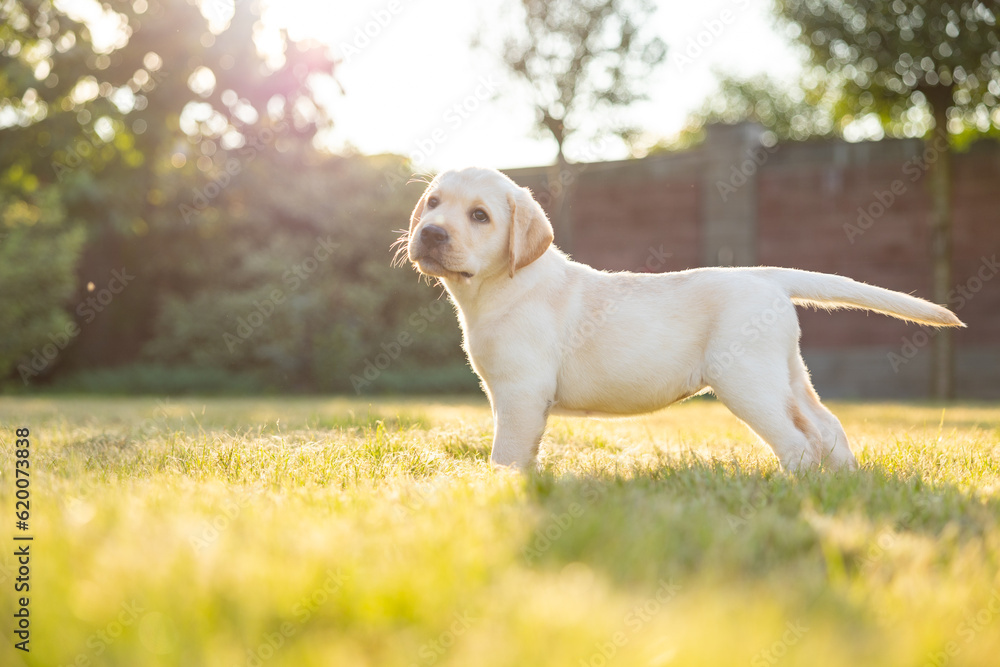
[808, 109]
[580, 59]
[896, 58]
[124, 94]
[38, 257]
[116, 119]
[290, 291]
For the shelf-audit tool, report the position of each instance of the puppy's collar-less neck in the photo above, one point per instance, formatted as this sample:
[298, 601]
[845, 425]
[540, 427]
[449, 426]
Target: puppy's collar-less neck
[500, 286]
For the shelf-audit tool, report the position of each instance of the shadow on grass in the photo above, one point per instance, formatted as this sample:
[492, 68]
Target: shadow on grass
[682, 518]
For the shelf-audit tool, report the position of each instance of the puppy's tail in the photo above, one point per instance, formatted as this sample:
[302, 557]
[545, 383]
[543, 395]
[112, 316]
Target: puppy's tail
[822, 290]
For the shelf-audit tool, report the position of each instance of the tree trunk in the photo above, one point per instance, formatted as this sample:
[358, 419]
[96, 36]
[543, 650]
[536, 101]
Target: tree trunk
[939, 181]
[561, 181]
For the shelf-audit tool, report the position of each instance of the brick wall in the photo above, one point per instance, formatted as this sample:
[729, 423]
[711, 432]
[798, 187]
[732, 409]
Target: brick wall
[859, 210]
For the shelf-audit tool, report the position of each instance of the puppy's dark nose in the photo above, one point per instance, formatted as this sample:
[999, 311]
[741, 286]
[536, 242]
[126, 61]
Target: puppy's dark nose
[433, 235]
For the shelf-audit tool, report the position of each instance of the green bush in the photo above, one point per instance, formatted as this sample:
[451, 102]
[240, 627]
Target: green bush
[294, 283]
[159, 379]
[38, 258]
[285, 281]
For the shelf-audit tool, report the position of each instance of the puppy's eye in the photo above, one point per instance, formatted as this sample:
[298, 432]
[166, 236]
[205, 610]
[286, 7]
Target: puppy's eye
[479, 215]
[432, 202]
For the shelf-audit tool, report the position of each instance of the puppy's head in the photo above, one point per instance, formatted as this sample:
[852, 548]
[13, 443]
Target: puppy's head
[476, 223]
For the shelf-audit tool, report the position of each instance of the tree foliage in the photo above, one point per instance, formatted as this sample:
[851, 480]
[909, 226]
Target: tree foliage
[582, 58]
[38, 260]
[163, 67]
[876, 69]
[904, 59]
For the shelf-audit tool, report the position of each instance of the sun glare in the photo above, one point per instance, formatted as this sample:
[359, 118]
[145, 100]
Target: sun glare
[402, 67]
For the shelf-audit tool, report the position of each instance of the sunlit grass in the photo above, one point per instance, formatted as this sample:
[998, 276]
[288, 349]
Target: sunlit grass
[339, 532]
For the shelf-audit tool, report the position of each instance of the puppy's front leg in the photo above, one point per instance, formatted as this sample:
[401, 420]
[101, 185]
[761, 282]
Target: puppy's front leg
[519, 417]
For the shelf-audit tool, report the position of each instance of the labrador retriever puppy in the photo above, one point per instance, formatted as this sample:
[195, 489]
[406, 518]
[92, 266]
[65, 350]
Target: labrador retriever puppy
[546, 334]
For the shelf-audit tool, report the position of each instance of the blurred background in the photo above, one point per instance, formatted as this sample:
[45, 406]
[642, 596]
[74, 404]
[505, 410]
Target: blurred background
[200, 197]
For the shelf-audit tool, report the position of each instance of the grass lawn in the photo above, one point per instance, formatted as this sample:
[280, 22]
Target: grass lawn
[326, 532]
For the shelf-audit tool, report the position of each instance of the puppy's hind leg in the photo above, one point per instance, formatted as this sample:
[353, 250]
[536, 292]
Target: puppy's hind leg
[835, 449]
[758, 391]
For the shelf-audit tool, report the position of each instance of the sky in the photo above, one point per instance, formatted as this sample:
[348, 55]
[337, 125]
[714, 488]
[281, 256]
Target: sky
[415, 86]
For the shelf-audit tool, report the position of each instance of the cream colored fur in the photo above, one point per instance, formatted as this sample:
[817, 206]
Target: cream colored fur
[546, 333]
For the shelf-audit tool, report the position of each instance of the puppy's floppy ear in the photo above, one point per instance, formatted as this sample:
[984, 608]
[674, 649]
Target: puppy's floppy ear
[530, 230]
[418, 210]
